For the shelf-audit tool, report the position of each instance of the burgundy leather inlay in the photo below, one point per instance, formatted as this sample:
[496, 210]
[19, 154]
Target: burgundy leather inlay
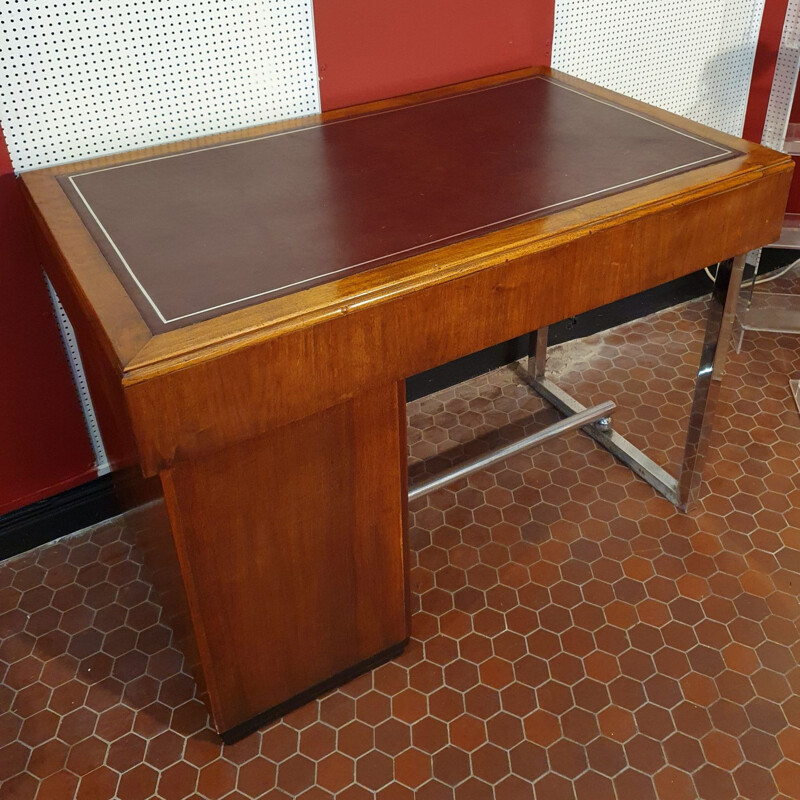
[197, 234]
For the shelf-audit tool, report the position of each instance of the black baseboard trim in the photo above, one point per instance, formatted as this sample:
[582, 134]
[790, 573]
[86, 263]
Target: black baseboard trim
[96, 501]
[53, 517]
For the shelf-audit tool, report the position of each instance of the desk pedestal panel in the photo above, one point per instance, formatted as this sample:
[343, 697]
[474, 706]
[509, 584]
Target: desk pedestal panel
[291, 549]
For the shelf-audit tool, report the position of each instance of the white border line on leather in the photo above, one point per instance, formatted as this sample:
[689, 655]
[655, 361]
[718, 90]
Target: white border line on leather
[424, 246]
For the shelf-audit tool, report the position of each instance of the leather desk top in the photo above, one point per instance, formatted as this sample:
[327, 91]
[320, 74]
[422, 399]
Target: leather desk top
[195, 234]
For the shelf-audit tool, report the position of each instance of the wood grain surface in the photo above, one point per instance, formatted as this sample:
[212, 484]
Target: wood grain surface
[126, 335]
[278, 430]
[201, 233]
[292, 548]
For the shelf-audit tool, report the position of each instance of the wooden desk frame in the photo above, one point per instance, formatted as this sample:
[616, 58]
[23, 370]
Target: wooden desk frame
[281, 591]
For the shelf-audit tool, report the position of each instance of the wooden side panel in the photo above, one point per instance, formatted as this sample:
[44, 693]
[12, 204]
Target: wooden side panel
[292, 552]
[206, 406]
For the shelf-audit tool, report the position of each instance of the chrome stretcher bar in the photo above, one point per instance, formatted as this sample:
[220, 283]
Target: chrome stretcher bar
[585, 416]
[681, 490]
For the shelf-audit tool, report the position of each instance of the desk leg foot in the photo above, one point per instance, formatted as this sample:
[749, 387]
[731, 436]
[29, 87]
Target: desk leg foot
[293, 556]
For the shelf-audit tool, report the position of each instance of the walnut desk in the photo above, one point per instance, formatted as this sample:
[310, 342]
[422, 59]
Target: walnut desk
[248, 306]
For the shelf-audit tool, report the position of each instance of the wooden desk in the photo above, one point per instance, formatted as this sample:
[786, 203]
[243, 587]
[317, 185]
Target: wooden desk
[248, 306]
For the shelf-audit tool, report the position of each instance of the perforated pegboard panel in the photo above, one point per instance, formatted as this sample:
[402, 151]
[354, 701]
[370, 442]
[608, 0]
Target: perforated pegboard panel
[84, 78]
[89, 77]
[692, 57]
[79, 377]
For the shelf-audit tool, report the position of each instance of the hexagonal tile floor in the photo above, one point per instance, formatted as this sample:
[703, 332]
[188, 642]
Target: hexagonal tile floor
[574, 636]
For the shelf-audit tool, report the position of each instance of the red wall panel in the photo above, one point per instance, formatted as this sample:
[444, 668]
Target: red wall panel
[769, 39]
[371, 49]
[367, 50]
[44, 447]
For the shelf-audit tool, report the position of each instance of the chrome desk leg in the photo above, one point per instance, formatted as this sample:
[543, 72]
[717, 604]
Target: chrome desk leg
[683, 489]
[719, 326]
[537, 354]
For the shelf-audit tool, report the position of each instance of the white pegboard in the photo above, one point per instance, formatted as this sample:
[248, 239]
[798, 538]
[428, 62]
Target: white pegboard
[89, 77]
[85, 78]
[691, 57]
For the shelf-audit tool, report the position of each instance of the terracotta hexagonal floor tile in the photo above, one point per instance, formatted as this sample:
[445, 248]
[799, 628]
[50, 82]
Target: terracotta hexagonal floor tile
[473, 789]
[336, 709]
[139, 782]
[47, 758]
[412, 768]
[451, 765]
[374, 770]
[467, 732]
[787, 777]
[446, 704]
[490, 763]
[392, 737]
[317, 740]
[482, 701]
[409, 705]
[218, 777]
[616, 723]
[429, 734]
[644, 754]
[722, 750]
[60, 784]
[555, 787]
[355, 739]
[86, 755]
[335, 772]
[126, 752]
[606, 756]
[567, 758]
[179, 780]
[573, 636]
